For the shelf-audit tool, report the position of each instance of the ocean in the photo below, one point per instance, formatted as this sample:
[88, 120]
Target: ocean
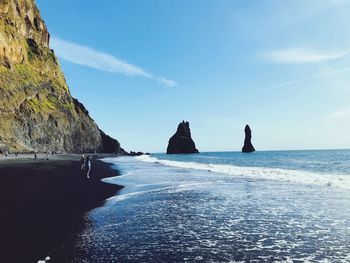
[277, 206]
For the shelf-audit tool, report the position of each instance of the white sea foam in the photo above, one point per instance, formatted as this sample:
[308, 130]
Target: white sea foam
[294, 176]
[169, 189]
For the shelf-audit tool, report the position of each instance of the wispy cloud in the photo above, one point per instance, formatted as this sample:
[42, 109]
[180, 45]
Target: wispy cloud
[341, 115]
[301, 55]
[89, 57]
[166, 82]
[288, 83]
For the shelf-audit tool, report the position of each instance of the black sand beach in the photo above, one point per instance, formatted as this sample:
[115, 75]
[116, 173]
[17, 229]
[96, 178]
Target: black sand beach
[43, 203]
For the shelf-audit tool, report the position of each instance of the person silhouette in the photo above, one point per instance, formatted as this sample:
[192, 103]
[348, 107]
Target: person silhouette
[82, 162]
[88, 166]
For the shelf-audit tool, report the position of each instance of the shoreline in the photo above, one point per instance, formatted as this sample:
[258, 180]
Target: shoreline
[57, 156]
[177, 214]
[44, 202]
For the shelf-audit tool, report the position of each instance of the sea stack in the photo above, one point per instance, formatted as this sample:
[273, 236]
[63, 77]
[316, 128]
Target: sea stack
[248, 146]
[181, 141]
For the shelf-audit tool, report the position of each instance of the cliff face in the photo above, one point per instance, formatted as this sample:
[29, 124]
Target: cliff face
[248, 146]
[181, 141]
[37, 111]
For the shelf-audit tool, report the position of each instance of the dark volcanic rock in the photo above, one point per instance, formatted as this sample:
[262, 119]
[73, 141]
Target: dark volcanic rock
[181, 141]
[110, 145]
[132, 153]
[37, 111]
[248, 146]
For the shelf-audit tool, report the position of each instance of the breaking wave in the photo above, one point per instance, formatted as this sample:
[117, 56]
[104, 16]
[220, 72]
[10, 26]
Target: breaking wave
[294, 176]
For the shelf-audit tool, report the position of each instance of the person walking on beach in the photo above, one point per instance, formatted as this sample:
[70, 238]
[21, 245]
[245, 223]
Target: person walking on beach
[82, 162]
[88, 166]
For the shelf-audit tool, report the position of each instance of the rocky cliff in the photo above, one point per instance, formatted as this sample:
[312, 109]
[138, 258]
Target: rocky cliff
[248, 146]
[181, 141]
[37, 111]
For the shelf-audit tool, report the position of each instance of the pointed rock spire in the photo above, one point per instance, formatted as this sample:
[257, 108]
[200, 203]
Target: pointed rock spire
[181, 141]
[248, 146]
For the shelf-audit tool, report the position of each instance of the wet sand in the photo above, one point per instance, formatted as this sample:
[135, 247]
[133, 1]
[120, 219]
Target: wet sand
[43, 203]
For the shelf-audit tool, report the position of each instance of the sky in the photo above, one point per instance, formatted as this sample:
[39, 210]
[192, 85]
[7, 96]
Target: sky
[142, 66]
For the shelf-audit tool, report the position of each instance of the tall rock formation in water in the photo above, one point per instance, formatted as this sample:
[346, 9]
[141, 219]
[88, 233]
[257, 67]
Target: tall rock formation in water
[37, 111]
[248, 146]
[181, 141]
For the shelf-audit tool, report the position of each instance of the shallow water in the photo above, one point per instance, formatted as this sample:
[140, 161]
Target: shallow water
[169, 213]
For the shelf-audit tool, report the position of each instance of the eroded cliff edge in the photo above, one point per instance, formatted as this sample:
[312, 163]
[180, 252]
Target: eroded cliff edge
[37, 111]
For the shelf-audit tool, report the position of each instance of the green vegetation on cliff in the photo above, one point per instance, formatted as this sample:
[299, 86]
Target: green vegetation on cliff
[37, 111]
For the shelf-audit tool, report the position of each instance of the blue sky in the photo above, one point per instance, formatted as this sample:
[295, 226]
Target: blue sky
[140, 67]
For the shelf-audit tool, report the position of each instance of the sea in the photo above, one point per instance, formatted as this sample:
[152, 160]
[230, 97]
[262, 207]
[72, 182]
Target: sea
[266, 206]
